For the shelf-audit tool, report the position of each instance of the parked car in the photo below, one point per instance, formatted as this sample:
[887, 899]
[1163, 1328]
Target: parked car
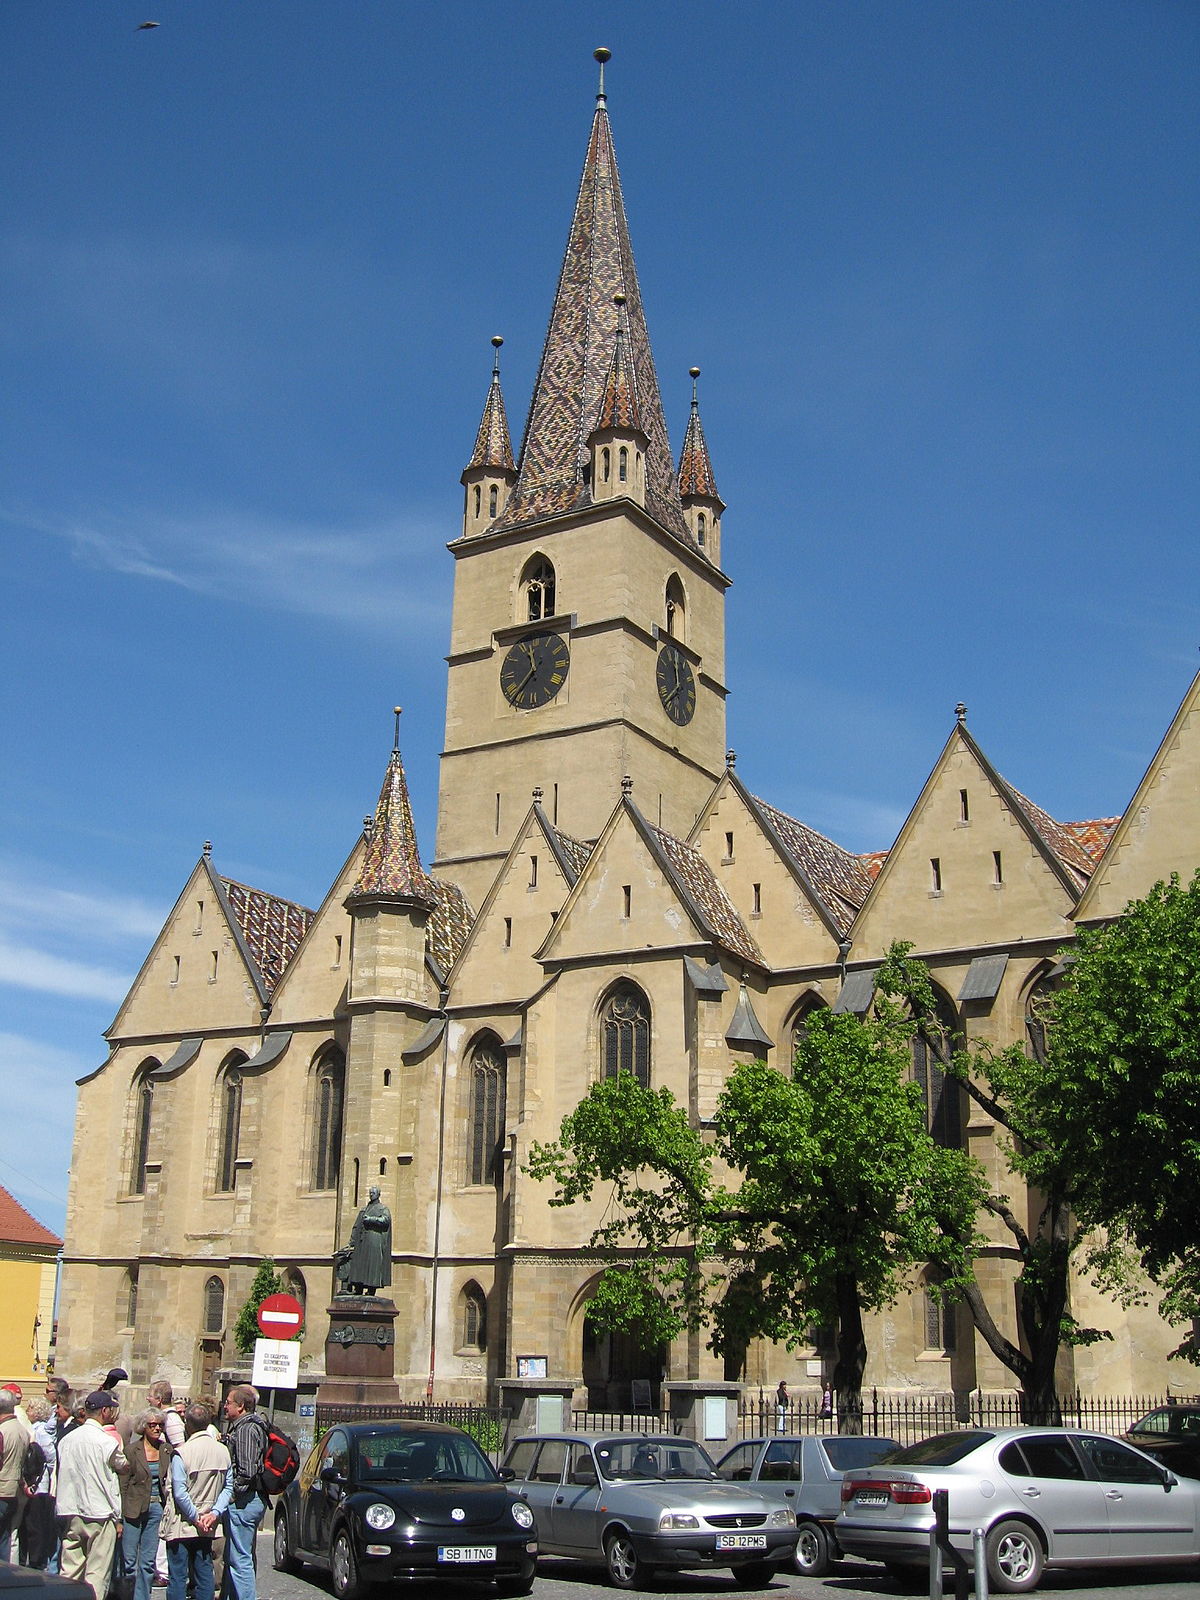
[394, 1501]
[1171, 1434]
[1046, 1497]
[27, 1583]
[804, 1471]
[641, 1501]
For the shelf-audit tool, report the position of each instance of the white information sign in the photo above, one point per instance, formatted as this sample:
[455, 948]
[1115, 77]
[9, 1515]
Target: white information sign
[276, 1364]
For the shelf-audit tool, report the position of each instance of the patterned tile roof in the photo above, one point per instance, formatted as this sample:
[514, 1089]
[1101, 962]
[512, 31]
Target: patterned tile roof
[1060, 841]
[1094, 836]
[391, 861]
[492, 445]
[841, 879]
[619, 402]
[696, 477]
[598, 265]
[873, 861]
[18, 1227]
[271, 928]
[574, 853]
[717, 914]
[447, 929]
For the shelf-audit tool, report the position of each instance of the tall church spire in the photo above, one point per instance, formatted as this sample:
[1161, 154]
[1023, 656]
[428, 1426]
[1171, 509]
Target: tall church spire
[578, 354]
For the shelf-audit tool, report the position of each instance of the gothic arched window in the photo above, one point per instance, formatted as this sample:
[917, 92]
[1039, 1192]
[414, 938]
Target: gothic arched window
[231, 1123]
[493, 494]
[676, 609]
[486, 1120]
[214, 1305]
[1037, 1008]
[329, 1088]
[538, 584]
[801, 1017]
[623, 465]
[143, 1106]
[473, 1320]
[700, 527]
[625, 1029]
[931, 1049]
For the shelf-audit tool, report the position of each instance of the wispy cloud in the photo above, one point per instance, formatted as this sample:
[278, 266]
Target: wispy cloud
[79, 943]
[22, 967]
[26, 898]
[39, 1087]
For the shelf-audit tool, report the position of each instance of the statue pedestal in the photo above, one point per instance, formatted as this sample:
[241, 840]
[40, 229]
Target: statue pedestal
[360, 1351]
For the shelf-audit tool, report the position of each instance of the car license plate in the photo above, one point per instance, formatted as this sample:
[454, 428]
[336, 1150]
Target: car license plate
[741, 1541]
[870, 1497]
[466, 1552]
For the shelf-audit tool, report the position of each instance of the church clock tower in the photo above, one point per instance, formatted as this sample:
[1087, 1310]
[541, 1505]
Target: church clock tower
[588, 629]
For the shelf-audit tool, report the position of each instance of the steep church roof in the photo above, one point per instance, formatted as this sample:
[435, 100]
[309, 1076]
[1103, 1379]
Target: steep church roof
[840, 878]
[598, 266]
[271, 928]
[447, 929]
[1093, 836]
[492, 445]
[1058, 839]
[695, 879]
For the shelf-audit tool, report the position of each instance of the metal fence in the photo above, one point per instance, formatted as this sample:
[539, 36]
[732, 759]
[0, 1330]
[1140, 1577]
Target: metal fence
[487, 1425]
[619, 1422]
[908, 1418]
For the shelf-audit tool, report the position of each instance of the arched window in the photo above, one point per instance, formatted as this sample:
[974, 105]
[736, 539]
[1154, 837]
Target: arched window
[493, 493]
[701, 527]
[931, 1055]
[294, 1284]
[130, 1297]
[327, 1120]
[623, 465]
[473, 1318]
[939, 1319]
[486, 1121]
[143, 1105]
[1037, 1008]
[231, 1122]
[606, 463]
[625, 1027]
[478, 499]
[538, 583]
[675, 607]
[801, 1018]
[214, 1305]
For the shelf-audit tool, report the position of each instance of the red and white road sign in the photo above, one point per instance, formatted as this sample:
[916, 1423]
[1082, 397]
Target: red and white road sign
[281, 1316]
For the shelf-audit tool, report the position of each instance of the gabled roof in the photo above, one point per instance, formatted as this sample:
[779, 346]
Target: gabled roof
[1093, 836]
[271, 928]
[17, 1226]
[447, 929]
[572, 853]
[695, 881]
[492, 445]
[1059, 840]
[598, 266]
[831, 875]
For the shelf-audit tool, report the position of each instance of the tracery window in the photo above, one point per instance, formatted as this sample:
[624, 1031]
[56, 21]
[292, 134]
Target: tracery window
[327, 1120]
[486, 1120]
[143, 1095]
[940, 1331]
[625, 1030]
[1037, 1008]
[802, 1017]
[931, 1049]
[214, 1305]
[231, 1124]
[539, 586]
[473, 1329]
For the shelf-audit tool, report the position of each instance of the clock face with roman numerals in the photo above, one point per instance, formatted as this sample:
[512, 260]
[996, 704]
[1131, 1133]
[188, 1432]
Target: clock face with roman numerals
[676, 684]
[534, 670]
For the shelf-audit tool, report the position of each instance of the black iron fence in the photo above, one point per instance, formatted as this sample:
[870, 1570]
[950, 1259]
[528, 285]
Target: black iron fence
[619, 1422]
[487, 1425]
[908, 1418]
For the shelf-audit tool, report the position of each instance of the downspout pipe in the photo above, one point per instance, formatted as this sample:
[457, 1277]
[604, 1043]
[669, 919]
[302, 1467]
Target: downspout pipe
[444, 999]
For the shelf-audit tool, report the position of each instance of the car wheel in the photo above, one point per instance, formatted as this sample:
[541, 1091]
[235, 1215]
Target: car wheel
[1014, 1558]
[285, 1561]
[812, 1558]
[753, 1574]
[626, 1569]
[343, 1568]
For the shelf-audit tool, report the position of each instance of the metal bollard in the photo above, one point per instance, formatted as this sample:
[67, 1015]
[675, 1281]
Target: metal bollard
[979, 1541]
[935, 1565]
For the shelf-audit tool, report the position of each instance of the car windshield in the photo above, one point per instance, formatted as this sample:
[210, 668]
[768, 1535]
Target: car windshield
[663, 1457]
[421, 1458]
[1170, 1422]
[943, 1450]
[847, 1453]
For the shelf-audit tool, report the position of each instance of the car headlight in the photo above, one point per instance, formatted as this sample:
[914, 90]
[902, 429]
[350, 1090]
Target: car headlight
[379, 1516]
[785, 1517]
[677, 1519]
[521, 1514]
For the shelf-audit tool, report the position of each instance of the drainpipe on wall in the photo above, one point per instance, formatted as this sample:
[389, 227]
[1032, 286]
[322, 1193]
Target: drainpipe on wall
[437, 1215]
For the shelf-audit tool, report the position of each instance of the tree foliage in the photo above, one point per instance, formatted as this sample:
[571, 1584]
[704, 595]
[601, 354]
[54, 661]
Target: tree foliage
[245, 1330]
[1123, 1101]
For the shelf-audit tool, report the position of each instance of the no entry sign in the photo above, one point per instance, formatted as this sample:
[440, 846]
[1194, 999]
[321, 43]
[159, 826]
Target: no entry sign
[281, 1316]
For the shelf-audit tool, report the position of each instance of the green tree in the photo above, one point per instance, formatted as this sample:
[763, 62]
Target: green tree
[266, 1282]
[1123, 1099]
[842, 1194]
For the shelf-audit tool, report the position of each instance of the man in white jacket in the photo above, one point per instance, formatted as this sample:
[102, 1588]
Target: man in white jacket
[91, 1465]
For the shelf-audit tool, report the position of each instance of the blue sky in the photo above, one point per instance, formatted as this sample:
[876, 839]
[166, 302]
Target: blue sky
[937, 261]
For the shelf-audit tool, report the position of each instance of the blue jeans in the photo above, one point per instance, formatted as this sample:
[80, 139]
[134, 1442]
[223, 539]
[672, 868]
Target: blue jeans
[139, 1545]
[8, 1522]
[241, 1525]
[189, 1562]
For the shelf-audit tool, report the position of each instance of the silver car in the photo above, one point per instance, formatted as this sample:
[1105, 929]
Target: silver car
[1046, 1497]
[640, 1501]
[804, 1471]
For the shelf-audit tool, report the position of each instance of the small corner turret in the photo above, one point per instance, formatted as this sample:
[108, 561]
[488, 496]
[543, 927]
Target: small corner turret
[491, 472]
[617, 444]
[702, 505]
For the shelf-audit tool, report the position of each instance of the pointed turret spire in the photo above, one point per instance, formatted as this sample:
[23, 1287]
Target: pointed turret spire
[577, 357]
[489, 475]
[391, 867]
[702, 505]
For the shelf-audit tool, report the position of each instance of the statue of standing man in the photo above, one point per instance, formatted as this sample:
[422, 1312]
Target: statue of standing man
[365, 1264]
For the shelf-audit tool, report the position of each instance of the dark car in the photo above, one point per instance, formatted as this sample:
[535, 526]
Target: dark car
[804, 1471]
[392, 1502]
[1171, 1434]
[26, 1583]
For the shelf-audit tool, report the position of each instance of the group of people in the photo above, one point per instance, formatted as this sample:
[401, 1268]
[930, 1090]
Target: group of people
[113, 1491]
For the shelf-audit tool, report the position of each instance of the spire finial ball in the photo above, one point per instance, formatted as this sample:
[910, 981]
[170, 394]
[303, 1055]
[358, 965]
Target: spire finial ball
[602, 55]
[620, 299]
[693, 372]
[396, 710]
[497, 341]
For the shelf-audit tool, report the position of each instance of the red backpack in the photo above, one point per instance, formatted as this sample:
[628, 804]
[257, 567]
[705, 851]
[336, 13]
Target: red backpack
[281, 1462]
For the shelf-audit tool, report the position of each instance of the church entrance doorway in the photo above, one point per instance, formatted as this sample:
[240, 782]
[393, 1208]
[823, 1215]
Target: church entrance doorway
[208, 1367]
[620, 1372]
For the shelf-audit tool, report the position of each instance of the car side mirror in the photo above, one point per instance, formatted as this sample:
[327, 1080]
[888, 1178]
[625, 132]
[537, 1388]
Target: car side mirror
[1169, 1480]
[505, 1474]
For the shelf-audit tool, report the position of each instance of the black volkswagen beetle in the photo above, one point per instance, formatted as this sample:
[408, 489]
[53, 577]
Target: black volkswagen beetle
[393, 1501]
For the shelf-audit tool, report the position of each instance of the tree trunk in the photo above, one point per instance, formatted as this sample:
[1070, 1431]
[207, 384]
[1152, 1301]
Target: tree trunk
[851, 1356]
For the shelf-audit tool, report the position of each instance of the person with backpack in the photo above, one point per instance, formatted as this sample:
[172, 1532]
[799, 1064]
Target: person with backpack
[14, 1436]
[246, 1437]
[199, 1492]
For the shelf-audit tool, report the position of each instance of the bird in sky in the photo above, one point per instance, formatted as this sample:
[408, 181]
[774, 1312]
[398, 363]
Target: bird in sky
[142, 25]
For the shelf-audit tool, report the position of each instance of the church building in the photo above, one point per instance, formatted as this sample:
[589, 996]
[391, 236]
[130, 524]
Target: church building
[605, 892]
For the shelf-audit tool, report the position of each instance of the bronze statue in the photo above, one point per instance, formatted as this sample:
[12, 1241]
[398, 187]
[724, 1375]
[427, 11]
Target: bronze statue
[365, 1264]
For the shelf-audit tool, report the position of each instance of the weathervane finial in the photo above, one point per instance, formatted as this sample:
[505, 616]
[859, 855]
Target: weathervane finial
[693, 374]
[497, 341]
[396, 741]
[602, 55]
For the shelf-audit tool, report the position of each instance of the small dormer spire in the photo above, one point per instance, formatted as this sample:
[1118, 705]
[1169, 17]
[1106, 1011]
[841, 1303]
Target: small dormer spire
[491, 471]
[702, 505]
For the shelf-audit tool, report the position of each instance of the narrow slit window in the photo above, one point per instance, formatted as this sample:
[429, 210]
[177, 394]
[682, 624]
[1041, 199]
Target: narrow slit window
[478, 499]
[729, 847]
[199, 915]
[382, 1166]
[337, 949]
[701, 528]
[758, 899]
[997, 867]
[964, 807]
[935, 874]
[623, 464]
[605, 464]
[212, 971]
[555, 815]
[493, 492]
[533, 872]
[174, 969]
[497, 813]
[627, 898]
[508, 933]
[387, 1076]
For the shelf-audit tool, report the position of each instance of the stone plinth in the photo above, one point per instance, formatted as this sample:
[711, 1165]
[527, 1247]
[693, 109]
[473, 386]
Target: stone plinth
[538, 1405]
[360, 1352]
[705, 1411]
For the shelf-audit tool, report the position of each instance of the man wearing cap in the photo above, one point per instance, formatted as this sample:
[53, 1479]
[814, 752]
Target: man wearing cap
[246, 1438]
[14, 1436]
[91, 1464]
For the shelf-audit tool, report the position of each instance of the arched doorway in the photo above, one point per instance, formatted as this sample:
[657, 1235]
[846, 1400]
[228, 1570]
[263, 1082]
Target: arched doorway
[620, 1372]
